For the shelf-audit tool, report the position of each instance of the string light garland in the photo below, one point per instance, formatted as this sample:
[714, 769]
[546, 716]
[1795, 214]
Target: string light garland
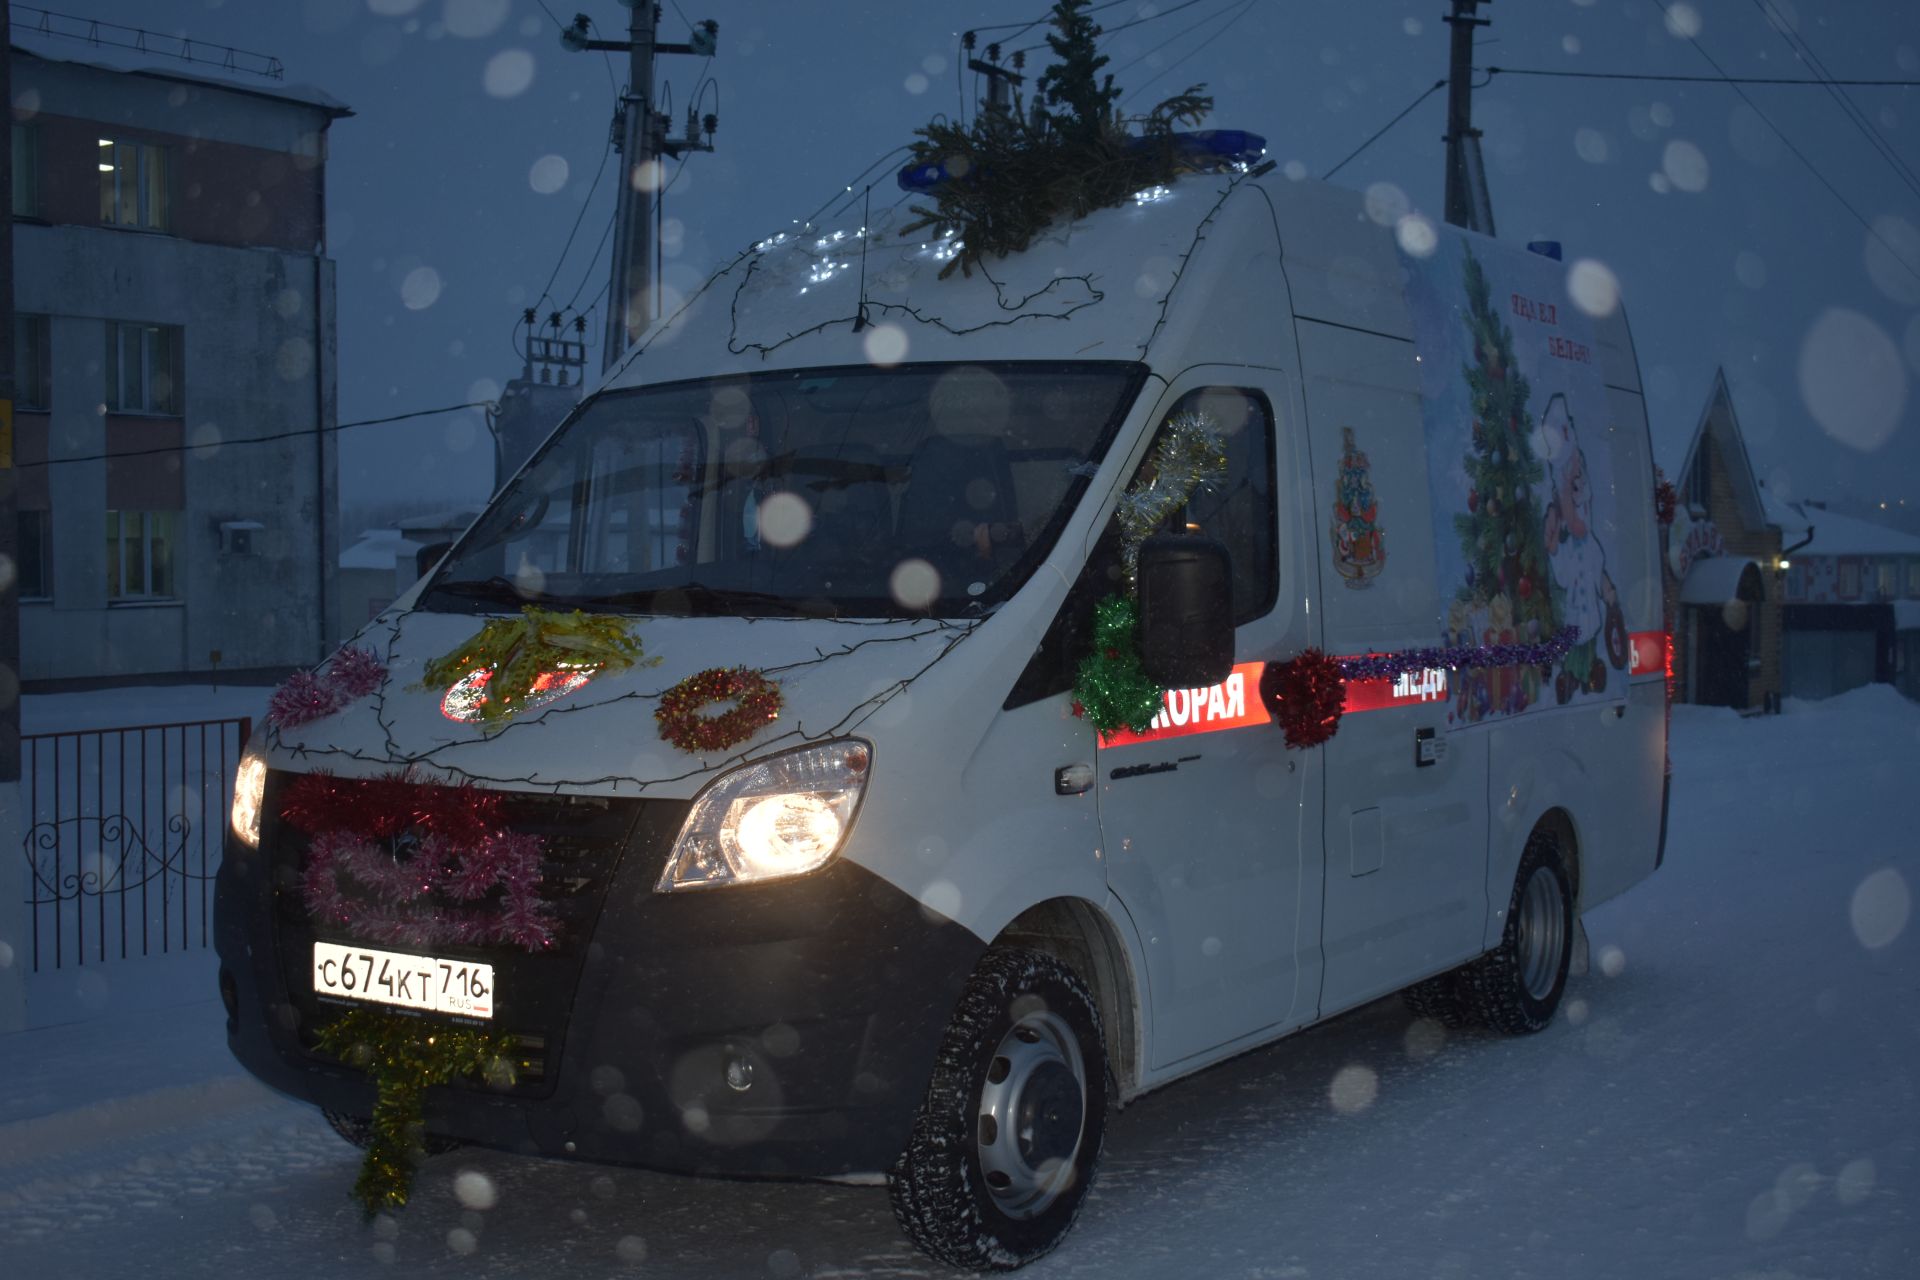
[1306, 696]
[756, 701]
[305, 696]
[524, 656]
[1189, 455]
[405, 1057]
[1111, 687]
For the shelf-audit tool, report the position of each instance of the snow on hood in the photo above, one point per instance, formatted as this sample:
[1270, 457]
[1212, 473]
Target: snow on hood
[602, 738]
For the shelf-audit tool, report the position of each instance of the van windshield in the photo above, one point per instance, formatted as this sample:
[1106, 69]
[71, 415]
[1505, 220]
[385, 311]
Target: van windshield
[847, 492]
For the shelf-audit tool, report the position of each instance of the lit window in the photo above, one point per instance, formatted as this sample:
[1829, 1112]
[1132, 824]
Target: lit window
[32, 369]
[133, 185]
[35, 555]
[140, 549]
[143, 368]
[26, 170]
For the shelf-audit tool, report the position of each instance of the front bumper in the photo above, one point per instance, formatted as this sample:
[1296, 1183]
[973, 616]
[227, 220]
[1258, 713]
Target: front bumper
[825, 996]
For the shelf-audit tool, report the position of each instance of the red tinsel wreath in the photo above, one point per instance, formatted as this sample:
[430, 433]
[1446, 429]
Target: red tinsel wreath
[1666, 500]
[1306, 696]
[756, 698]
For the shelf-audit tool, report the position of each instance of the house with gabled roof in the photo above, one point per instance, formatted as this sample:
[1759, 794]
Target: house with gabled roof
[1723, 569]
[1852, 605]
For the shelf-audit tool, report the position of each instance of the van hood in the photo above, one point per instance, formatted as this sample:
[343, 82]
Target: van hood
[602, 738]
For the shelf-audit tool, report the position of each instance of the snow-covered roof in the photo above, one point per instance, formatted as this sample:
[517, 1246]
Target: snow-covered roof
[379, 549]
[1784, 516]
[1838, 535]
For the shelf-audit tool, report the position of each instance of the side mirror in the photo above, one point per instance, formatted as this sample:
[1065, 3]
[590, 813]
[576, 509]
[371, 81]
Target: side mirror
[1186, 610]
[428, 556]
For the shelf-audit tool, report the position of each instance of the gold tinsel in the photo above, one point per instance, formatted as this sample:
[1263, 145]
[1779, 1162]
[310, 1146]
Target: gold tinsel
[405, 1057]
[519, 651]
[1189, 454]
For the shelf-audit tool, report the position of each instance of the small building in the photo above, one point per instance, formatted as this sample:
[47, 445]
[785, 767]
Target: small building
[377, 568]
[1852, 612]
[1722, 570]
[176, 371]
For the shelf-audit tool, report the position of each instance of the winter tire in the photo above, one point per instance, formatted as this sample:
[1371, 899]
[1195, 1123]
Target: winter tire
[359, 1131]
[1516, 987]
[1438, 998]
[1004, 1146]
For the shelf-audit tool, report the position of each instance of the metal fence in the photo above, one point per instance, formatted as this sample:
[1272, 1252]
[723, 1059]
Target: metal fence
[124, 829]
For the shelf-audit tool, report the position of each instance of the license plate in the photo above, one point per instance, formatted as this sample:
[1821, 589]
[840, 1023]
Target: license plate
[462, 987]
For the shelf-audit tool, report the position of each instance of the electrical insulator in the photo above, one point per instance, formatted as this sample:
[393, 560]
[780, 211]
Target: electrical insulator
[711, 122]
[1019, 59]
[528, 316]
[574, 38]
[993, 53]
[966, 42]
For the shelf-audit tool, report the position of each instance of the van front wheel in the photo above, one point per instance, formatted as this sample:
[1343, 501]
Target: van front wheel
[1004, 1145]
[1516, 987]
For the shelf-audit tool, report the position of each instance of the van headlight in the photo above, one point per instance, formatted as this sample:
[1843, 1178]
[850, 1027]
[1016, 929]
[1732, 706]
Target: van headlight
[781, 816]
[249, 788]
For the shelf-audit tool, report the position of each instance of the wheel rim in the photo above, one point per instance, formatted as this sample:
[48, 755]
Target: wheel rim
[1542, 933]
[1032, 1113]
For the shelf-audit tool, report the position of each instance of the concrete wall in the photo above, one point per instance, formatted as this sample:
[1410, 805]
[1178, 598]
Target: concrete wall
[259, 355]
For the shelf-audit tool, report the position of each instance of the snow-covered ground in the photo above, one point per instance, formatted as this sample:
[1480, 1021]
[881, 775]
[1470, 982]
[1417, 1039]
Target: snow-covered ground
[1729, 1092]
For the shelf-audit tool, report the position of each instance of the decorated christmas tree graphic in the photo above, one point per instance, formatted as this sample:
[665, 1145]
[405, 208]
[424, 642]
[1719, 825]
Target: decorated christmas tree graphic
[1507, 596]
[1359, 543]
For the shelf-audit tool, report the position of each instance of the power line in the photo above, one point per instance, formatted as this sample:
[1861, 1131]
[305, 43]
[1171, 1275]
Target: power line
[1245, 9]
[1377, 133]
[1803, 52]
[1799, 154]
[1109, 31]
[1720, 79]
[266, 439]
[578, 218]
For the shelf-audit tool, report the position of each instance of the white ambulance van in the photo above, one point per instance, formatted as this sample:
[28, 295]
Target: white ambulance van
[917, 917]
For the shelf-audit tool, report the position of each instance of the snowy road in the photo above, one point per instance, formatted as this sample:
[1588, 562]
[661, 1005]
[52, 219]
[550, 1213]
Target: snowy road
[1730, 1092]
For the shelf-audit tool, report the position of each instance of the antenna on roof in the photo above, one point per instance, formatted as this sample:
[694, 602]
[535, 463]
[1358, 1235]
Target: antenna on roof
[30, 20]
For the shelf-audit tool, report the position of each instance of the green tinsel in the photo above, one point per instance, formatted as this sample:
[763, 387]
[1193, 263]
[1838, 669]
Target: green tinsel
[1189, 454]
[1012, 173]
[1111, 686]
[519, 651]
[405, 1057]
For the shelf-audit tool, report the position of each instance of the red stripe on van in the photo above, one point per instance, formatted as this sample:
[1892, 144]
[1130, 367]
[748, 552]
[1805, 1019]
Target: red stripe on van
[1234, 703]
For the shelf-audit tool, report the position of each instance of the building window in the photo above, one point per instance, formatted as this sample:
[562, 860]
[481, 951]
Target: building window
[133, 185]
[143, 368]
[1888, 584]
[1913, 579]
[34, 555]
[26, 170]
[32, 365]
[140, 548]
[1849, 580]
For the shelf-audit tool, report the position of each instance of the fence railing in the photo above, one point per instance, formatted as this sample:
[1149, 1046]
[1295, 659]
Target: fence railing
[124, 829]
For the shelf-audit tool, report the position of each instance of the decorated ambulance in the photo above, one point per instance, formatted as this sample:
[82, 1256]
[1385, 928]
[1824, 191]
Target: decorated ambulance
[899, 718]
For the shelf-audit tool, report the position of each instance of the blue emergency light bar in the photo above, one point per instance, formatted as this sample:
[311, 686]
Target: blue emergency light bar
[1204, 148]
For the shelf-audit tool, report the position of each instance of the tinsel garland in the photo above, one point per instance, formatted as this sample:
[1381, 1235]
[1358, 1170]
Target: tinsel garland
[1189, 454]
[520, 652]
[757, 702]
[1666, 499]
[387, 856]
[305, 696]
[405, 1057]
[1460, 657]
[1111, 686]
[1306, 697]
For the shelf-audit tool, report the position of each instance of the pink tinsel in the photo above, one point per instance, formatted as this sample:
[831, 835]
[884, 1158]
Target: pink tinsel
[353, 673]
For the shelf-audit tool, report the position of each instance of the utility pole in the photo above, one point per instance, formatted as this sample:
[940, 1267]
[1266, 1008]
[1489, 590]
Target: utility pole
[1000, 80]
[642, 140]
[1468, 204]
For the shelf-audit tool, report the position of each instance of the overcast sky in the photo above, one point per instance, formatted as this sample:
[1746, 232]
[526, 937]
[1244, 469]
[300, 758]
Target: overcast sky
[476, 139]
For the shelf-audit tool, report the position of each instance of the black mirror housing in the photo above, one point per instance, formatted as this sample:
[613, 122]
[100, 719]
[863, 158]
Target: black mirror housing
[1186, 610]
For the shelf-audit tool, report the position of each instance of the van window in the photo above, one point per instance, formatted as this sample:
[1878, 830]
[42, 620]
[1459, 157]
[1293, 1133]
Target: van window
[1239, 512]
[844, 492]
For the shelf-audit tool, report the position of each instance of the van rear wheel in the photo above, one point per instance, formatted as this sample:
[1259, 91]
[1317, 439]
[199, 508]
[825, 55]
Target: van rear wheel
[1004, 1146]
[1516, 987]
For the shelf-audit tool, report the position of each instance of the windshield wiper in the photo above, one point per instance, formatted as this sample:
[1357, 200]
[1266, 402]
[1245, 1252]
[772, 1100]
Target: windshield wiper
[496, 588]
[704, 600]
